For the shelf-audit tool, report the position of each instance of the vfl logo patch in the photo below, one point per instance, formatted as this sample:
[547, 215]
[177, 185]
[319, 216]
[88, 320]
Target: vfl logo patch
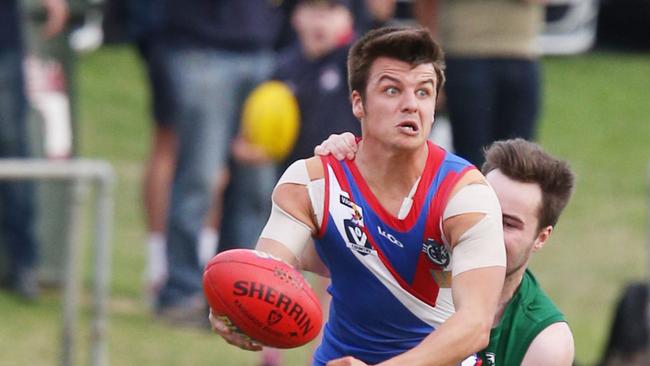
[274, 317]
[357, 239]
[436, 252]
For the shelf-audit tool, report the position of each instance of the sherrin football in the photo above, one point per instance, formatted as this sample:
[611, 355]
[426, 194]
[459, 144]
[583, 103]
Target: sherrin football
[263, 297]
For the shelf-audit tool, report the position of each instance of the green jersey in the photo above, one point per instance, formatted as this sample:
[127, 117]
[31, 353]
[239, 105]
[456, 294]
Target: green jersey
[529, 312]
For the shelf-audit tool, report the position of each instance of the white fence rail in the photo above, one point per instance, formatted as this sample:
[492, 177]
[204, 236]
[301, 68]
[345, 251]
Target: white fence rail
[80, 174]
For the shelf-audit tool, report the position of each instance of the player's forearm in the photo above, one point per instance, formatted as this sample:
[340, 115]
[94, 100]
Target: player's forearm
[459, 337]
[476, 293]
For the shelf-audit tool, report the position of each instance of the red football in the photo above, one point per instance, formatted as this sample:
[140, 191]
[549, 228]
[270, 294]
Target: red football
[265, 298]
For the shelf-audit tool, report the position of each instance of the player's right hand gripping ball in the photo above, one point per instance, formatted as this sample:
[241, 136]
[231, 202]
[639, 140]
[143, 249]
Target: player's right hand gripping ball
[265, 298]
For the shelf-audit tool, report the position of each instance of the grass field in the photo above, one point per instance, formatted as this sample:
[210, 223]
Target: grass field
[595, 115]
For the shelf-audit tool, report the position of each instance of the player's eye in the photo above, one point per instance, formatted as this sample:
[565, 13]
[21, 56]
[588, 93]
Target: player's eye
[423, 92]
[391, 90]
[512, 225]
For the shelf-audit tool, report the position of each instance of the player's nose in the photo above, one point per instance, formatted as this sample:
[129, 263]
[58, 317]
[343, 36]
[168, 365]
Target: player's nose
[409, 103]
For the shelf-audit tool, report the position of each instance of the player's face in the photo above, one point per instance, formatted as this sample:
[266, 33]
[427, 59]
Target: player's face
[399, 104]
[520, 204]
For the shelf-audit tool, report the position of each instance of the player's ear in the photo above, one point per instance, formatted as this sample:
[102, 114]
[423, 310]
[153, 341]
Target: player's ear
[542, 237]
[357, 104]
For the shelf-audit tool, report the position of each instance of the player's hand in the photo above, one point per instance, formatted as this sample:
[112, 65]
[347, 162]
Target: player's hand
[229, 333]
[341, 146]
[346, 361]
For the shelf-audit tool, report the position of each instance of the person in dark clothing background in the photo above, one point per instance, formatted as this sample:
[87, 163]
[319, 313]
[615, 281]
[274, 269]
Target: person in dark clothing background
[315, 70]
[214, 54]
[16, 198]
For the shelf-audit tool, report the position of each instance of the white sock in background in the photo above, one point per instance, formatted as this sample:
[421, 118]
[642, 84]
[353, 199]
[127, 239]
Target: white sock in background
[156, 262]
[208, 241]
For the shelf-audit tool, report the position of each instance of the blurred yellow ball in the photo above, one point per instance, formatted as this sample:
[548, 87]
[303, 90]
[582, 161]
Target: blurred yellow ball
[271, 119]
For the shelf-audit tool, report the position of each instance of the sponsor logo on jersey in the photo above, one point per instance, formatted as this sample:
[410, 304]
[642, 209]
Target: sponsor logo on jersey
[345, 201]
[436, 252]
[357, 215]
[391, 238]
[357, 239]
[472, 360]
[490, 359]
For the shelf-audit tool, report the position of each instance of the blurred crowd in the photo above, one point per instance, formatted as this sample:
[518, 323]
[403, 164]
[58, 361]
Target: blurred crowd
[205, 188]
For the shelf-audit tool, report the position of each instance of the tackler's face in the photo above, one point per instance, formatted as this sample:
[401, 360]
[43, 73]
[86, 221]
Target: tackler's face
[520, 203]
[399, 103]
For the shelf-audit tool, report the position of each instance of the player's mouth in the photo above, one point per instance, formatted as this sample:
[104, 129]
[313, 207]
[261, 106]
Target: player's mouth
[409, 127]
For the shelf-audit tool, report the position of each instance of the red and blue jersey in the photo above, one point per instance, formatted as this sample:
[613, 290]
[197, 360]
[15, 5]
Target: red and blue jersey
[391, 281]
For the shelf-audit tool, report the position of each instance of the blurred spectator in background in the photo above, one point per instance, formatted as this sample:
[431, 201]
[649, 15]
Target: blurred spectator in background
[143, 21]
[493, 73]
[371, 14]
[17, 197]
[315, 69]
[140, 22]
[367, 15]
[629, 335]
[214, 54]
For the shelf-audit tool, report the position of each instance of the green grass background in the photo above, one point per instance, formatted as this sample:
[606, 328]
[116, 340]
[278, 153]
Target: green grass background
[595, 115]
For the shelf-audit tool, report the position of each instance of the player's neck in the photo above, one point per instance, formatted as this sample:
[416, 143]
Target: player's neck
[389, 171]
[510, 286]
[389, 168]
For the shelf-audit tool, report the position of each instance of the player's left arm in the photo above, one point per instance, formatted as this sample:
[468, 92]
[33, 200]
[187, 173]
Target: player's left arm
[465, 332]
[473, 228]
[553, 346]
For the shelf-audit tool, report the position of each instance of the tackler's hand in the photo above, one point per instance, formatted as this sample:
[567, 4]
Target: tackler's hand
[341, 146]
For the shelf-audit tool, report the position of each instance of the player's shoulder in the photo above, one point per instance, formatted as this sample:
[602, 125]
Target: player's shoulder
[469, 176]
[452, 159]
[315, 168]
[468, 173]
[303, 171]
[553, 346]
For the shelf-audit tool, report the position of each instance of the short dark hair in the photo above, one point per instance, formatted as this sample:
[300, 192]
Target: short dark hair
[412, 45]
[527, 162]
